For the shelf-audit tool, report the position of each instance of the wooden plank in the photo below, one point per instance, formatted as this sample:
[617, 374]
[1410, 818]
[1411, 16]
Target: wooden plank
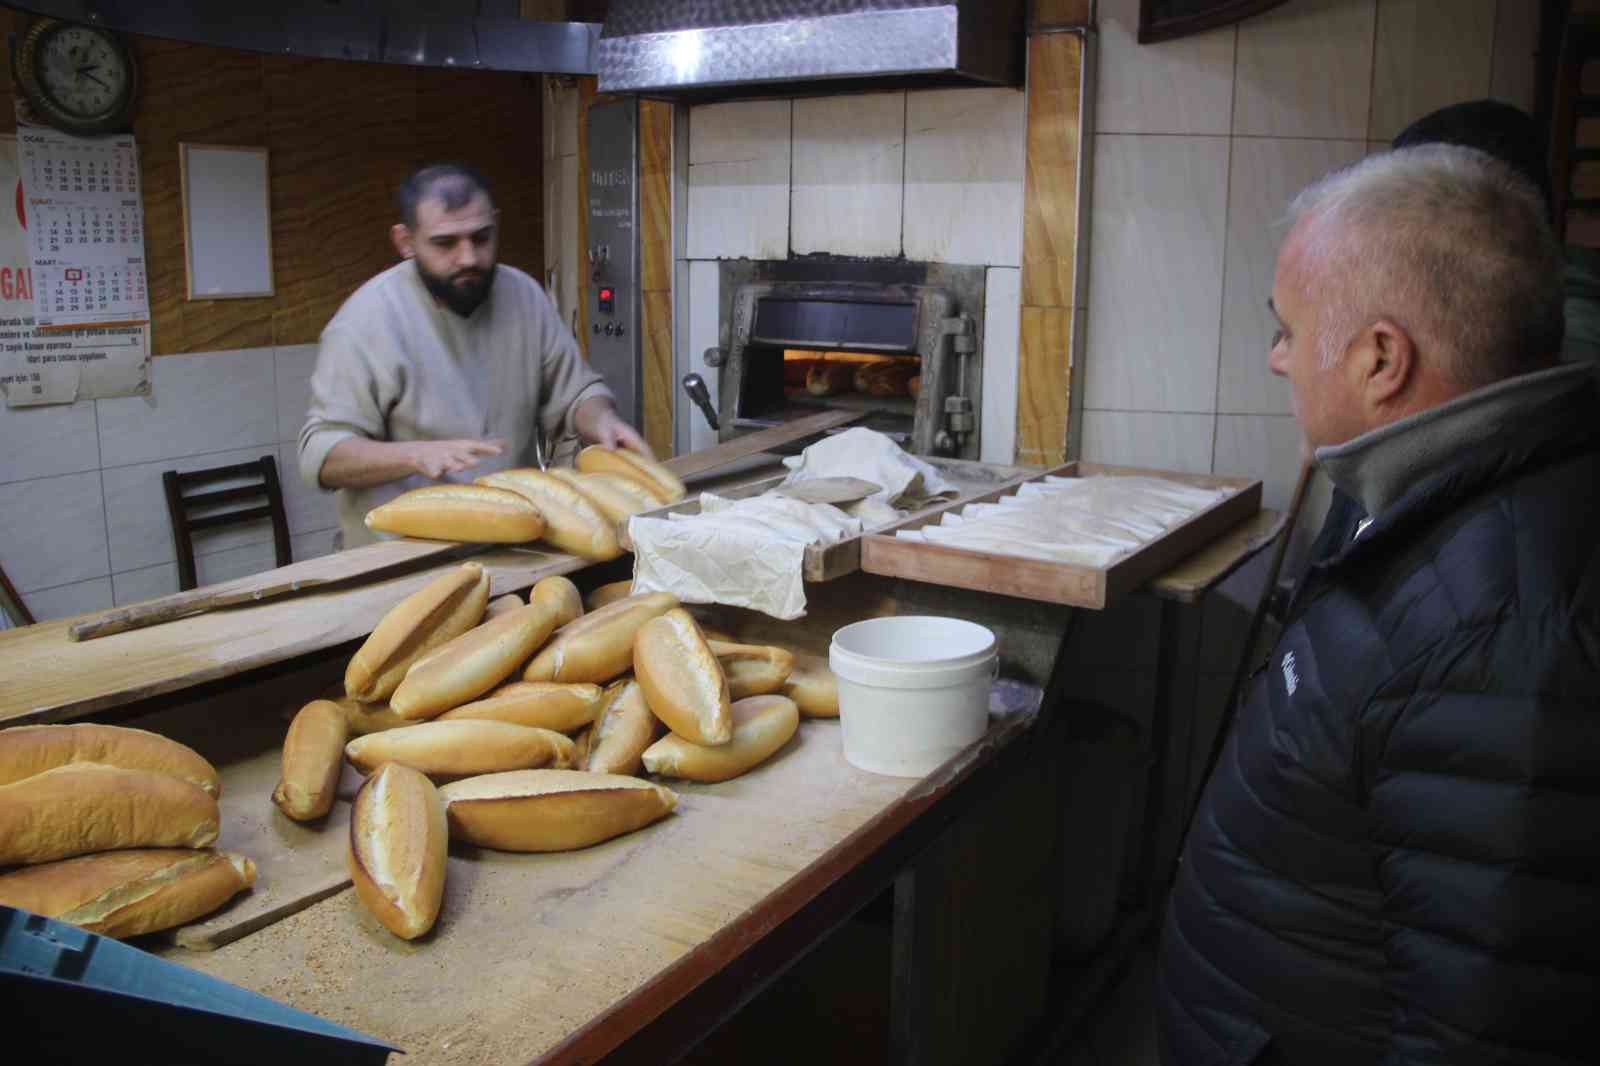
[687, 466]
[1195, 576]
[361, 563]
[1053, 582]
[45, 677]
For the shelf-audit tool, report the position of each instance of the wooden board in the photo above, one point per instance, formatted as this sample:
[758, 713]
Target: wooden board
[833, 561]
[688, 466]
[1053, 582]
[1199, 573]
[44, 677]
[557, 958]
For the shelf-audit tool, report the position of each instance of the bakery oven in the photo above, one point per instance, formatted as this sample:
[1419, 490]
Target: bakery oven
[903, 349]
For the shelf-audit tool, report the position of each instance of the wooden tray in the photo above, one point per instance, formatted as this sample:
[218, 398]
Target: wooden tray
[1036, 579]
[838, 560]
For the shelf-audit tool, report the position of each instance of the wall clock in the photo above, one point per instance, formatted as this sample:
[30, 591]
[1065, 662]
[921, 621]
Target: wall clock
[81, 79]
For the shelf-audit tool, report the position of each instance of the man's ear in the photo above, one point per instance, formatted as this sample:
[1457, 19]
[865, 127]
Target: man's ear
[401, 235]
[1387, 364]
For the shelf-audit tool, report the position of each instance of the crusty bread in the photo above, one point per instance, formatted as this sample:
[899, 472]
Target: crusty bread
[661, 482]
[363, 718]
[561, 594]
[461, 748]
[623, 731]
[311, 761]
[683, 682]
[598, 646]
[761, 725]
[572, 522]
[580, 747]
[435, 614]
[829, 378]
[813, 687]
[26, 750]
[551, 810]
[501, 604]
[608, 594]
[126, 893]
[473, 663]
[399, 842]
[618, 504]
[752, 669]
[83, 807]
[545, 704]
[475, 514]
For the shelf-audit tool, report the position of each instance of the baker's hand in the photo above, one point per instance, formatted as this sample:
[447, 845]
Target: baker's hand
[437, 458]
[597, 421]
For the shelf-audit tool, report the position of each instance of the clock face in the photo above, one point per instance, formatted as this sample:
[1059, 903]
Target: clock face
[83, 72]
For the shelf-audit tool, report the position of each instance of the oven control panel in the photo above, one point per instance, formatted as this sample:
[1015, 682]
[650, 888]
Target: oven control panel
[613, 252]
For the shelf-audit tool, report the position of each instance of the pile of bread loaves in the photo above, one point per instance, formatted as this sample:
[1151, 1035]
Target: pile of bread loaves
[574, 511]
[521, 726]
[112, 828]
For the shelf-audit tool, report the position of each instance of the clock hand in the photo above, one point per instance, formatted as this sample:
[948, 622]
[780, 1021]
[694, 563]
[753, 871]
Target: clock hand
[94, 79]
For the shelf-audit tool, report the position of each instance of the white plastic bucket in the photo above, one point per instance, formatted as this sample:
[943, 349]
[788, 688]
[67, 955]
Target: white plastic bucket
[913, 690]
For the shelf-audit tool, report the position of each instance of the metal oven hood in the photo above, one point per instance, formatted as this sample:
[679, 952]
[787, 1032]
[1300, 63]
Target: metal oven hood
[721, 49]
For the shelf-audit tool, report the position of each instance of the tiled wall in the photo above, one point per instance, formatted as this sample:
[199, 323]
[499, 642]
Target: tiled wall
[83, 517]
[933, 175]
[1198, 146]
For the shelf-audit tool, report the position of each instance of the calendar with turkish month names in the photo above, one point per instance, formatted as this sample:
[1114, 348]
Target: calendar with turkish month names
[85, 228]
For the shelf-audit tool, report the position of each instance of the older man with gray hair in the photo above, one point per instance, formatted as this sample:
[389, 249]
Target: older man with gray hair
[1398, 857]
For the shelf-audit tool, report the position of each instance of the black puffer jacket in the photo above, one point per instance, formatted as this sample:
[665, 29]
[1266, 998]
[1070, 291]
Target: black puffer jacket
[1398, 859]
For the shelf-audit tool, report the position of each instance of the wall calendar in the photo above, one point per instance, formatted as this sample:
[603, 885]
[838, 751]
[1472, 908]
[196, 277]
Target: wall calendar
[85, 221]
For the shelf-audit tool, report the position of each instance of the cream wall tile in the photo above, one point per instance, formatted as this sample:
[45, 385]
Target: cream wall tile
[1002, 326]
[965, 152]
[293, 364]
[132, 586]
[312, 545]
[1260, 446]
[739, 180]
[1305, 70]
[53, 531]
[64, 601]
[1430, 53]
[204, 402]
[1156, 440]
[849, 168]
[1263, 178]
[1183, 86]
[704, 324]
[46, 441]
[136, 586]
[1513, 77]
[306, 508]
[136, 509]
[1155, 288]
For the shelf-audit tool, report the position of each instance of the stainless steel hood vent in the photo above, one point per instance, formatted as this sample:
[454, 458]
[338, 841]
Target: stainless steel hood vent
[706, 49]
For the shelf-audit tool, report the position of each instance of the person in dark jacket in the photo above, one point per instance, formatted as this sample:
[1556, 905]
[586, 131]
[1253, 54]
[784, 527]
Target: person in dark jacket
[1397, 859]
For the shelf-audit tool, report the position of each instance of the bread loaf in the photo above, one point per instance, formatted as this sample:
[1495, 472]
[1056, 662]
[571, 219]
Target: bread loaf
[544, 704]
[440, 611]
[914, 386]
[26, 750]
[829, 379]
[617, 498]
[761, 725]
[623, 731]
[561, 594]
[580, 747]
[813, 687]
[572, 523]
[461, 748]
[83, 807]
[473, 663]
[616, 590]
[502, 604]
[598, 646]
[551, 810]
[475, 514]
[363, 718]
[312, 754]
[682, 680]
[885, 379]
[126, 893]
[661, 482]
[752, 669]
[398, 846]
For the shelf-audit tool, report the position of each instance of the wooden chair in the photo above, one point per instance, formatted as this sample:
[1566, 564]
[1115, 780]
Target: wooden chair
[179, 504]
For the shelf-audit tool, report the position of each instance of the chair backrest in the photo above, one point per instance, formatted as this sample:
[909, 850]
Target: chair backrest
[263, 486]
